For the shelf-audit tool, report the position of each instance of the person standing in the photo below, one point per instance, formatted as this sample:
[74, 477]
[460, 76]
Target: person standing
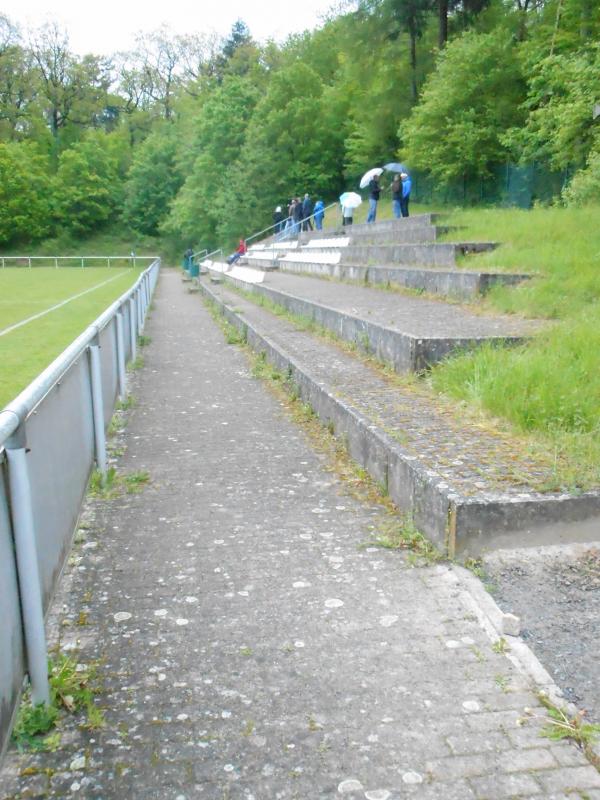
[374, 192]
[406, 187]
[347, 214]
[396, 188]
[297, 215]
[278, 219]
[318, 214]
[307, 210]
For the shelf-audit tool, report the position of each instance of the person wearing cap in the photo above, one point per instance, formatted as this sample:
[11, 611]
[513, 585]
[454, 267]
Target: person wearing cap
[406, 187]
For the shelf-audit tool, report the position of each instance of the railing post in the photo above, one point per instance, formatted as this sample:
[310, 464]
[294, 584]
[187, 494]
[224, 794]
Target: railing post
[132, 328]
[29, 259]
[30, 588]
[121, 357]
[97, 408]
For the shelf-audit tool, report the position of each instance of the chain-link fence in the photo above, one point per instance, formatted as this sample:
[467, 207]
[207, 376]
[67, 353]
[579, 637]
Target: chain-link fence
[507, 185]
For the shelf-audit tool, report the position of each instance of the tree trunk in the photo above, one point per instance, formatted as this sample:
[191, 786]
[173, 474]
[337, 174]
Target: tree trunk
[443, 23]
[413, 65]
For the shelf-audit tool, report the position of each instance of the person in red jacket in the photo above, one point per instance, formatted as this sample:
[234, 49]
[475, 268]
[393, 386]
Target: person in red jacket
[241, 251]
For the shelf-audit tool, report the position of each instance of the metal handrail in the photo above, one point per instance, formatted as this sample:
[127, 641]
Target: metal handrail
[56, 259]
[200, 252]
[218, 250]
[299, 222]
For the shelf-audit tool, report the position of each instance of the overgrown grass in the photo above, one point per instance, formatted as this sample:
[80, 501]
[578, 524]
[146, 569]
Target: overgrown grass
[551, 385]
[560, 245]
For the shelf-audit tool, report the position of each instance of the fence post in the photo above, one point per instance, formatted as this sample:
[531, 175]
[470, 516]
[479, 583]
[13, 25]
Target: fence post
[30, 588]
[121, 357]
[97, 408]
[132, 328]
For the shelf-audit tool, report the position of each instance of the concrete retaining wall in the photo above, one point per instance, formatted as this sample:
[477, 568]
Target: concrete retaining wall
[457, 525]
[404, 352]
[460, 284]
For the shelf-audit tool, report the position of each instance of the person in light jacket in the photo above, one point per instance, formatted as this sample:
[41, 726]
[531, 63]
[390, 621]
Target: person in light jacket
[406, 187]
[318, 214]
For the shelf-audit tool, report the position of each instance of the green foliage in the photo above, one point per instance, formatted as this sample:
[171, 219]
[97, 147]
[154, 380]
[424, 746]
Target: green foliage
[559, 127]
[72, 690]
[550, 386]
[88, 185]
[25, 193]
[467, 104]
[152, 182]
[216, 140]
[584, 189]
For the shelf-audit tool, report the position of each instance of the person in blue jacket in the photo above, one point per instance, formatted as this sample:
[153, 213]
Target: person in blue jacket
[318, 214]
[406, 187]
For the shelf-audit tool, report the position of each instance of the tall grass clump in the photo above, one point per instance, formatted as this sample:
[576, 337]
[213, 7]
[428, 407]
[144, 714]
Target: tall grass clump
[550, 386]
[560, 246]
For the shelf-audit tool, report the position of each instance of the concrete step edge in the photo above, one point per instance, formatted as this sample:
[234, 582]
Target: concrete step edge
[455, 523]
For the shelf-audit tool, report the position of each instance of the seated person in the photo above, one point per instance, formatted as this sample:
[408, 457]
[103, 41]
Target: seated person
[241, 250]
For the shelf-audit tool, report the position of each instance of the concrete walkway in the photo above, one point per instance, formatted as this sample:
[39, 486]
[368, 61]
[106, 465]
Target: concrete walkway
[250, 647]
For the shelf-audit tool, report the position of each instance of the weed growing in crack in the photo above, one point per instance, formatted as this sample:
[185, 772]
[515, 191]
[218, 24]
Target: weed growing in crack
[113, 485]
[400, 533]
[126, 404]
[501, 646]
[137, 363]
[135, 481]
[72, 689]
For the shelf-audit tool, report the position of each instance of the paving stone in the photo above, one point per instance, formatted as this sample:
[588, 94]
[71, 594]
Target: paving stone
[497, 786]
[571, 779]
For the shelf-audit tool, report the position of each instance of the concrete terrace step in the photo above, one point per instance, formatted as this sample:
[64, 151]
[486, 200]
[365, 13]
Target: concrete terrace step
[410, 333]
[456, 283]
[462, 484]
[434, 254]
[360, 234]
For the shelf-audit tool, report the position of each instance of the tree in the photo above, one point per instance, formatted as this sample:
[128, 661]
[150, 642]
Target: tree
[467, 104]
[88, 185]
[26, 192]
[152, 182]
[215, 143]
[70, 89]
[559, 128]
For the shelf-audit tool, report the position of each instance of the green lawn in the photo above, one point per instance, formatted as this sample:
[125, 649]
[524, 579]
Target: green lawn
[551, 386]
[27, 350]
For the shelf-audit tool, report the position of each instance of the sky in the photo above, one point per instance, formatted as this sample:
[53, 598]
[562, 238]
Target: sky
[107, 26]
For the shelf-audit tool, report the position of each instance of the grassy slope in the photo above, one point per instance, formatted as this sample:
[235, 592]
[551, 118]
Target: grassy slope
[550, 387]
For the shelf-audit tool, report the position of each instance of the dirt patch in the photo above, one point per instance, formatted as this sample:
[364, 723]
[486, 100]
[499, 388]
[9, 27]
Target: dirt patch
[556, 593]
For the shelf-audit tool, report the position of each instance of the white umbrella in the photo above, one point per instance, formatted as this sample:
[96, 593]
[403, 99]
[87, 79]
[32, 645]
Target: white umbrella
[350, 200]
[368, 176]
[394, 167]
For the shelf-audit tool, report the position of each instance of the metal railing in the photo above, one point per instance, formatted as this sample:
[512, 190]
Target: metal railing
[293, 229]
[27, 261]
[50, 437]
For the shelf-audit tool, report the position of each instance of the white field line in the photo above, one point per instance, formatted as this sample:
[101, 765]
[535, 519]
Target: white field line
[58, 305]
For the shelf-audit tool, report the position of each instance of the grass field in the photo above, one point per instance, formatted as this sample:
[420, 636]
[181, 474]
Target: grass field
[28, 349]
